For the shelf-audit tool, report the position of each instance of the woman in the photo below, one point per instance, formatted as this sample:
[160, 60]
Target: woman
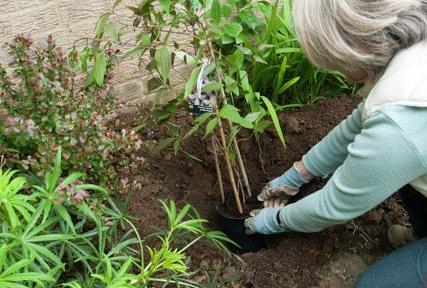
[381, 147]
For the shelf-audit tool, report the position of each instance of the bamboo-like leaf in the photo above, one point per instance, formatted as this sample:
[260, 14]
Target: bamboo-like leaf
[275, 119]
[288, 84]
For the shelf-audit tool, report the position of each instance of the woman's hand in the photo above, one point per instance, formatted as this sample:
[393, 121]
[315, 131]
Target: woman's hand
[264, 221]
[278, 191]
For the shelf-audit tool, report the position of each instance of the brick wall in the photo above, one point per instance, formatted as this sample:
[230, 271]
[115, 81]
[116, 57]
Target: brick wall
[68, 21]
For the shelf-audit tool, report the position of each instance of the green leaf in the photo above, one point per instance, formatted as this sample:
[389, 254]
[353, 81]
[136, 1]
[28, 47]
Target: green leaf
[216, 11]
[226, 39]
[275, 119]
[288, 50]
[100, 25]
[233, 29]
[236, 60]
[144, 40]
[211, 126]
[226, 10]
[213, 86]
[249, 18]
[63, 213]
[252, 117]
[112, 31]
[166, 4]
[174, 131]
[163, 60]
[99, 69]
[231, 113]
[288, 84]
[199, 122]
[164, 144]
[84, 57]
[154, 84]
[191, 83]
[91, 187]
[262, 125]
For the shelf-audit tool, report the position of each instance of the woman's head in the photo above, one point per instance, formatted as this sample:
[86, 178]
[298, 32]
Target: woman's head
[358, 37]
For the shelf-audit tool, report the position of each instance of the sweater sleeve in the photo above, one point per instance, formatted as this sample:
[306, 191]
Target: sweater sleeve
[325, 157]
[381, 160]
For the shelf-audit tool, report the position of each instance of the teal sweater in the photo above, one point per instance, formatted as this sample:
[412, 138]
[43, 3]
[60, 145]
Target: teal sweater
[370, 160]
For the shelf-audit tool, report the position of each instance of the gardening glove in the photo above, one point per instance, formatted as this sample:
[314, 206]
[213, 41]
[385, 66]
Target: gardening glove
[264, 221]
[278, 191]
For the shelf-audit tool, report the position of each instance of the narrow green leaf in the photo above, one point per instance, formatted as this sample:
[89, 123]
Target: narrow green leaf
[165, 143]
[63, 213]
[91, 187]
[288, 50]
[211, 126]
[191, 83]
[275, 119]
[163, 60]
[288, 84]
[99, 69]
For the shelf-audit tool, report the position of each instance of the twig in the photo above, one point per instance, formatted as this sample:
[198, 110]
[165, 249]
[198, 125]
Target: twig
[228, 162]
[224, 100]
[218, 170]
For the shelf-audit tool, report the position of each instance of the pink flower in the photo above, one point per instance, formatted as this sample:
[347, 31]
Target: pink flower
[124, 181]
[80, 195]
[9, 121]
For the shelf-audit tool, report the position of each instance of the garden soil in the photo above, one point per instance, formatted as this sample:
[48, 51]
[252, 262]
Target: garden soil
[331, 258]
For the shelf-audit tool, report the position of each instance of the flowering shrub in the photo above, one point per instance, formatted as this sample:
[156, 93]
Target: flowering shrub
[50, 99]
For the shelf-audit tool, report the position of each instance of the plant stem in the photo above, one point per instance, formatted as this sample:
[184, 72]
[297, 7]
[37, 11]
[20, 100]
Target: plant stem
[224, 100]
[190, 244]
[228, 162]
[218, 170]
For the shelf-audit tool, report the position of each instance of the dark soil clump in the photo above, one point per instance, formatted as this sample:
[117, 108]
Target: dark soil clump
[331, 258]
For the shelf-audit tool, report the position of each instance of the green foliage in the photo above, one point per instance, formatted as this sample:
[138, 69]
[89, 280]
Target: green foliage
[45, 104]
[70, 230]
[14, 206]
[263, 67]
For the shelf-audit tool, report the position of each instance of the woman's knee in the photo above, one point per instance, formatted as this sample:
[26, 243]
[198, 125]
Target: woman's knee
[405, 267]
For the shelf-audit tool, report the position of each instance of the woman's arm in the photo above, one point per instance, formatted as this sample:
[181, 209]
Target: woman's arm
[381, 160]
[326, 156]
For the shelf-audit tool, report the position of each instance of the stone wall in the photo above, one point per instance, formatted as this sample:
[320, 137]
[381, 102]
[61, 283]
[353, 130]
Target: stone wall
[68, 21]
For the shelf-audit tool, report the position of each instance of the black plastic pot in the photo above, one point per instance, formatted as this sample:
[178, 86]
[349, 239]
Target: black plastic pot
[233, 227]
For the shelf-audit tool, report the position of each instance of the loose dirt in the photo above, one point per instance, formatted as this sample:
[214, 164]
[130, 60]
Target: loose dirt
[331, 258]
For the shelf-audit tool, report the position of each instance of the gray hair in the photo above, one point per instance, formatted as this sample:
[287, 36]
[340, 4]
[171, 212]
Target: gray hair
[358, 35]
